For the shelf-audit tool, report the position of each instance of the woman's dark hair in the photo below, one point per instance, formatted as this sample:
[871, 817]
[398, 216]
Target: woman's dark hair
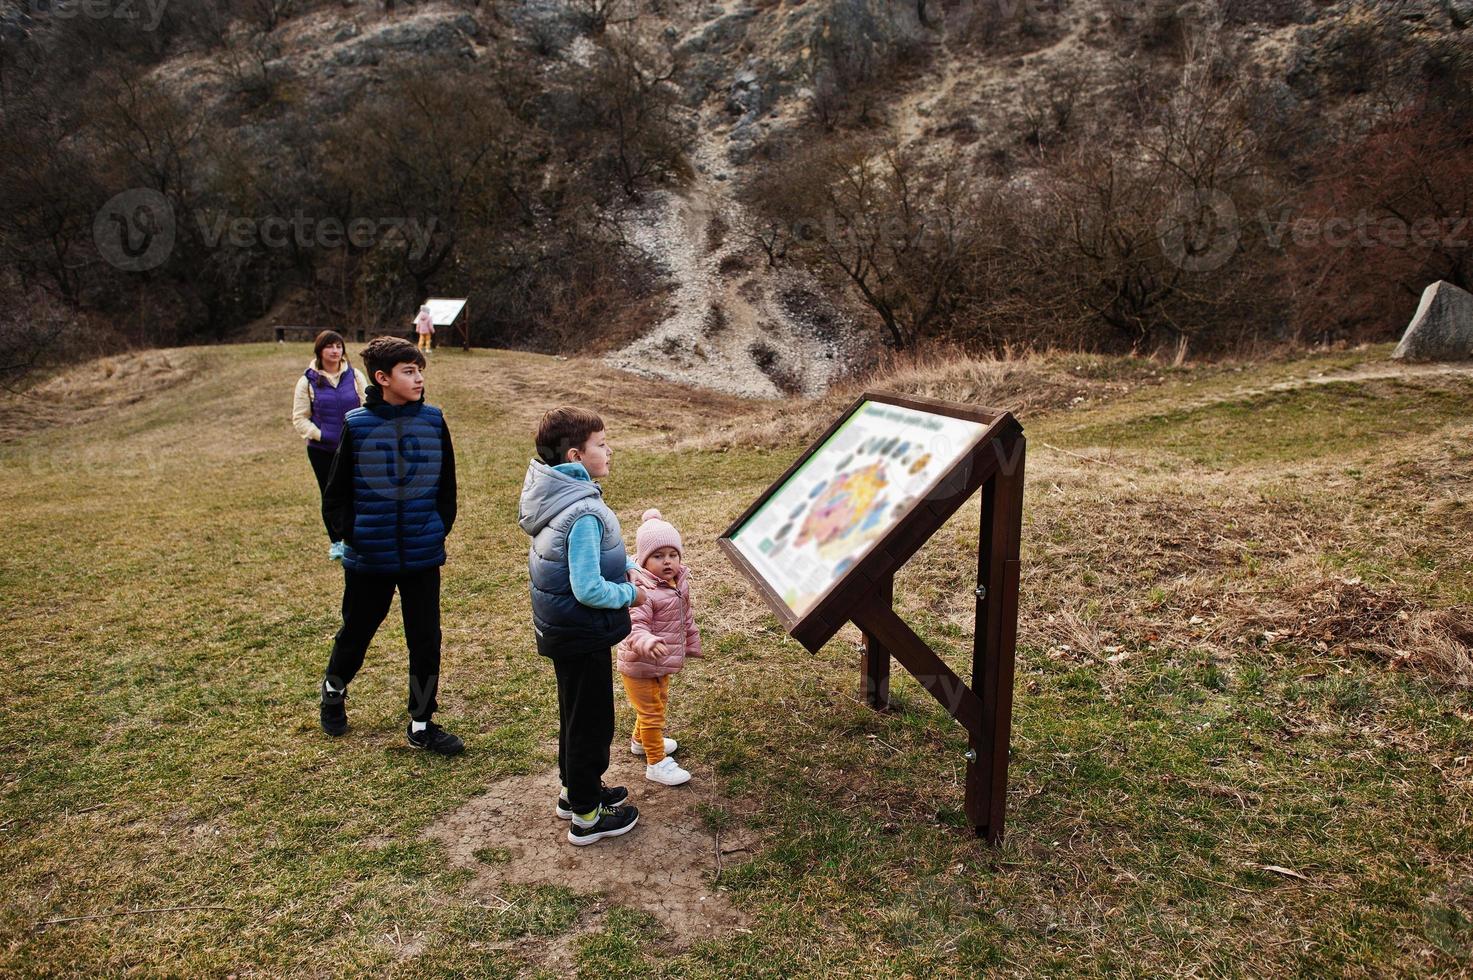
[326, 339]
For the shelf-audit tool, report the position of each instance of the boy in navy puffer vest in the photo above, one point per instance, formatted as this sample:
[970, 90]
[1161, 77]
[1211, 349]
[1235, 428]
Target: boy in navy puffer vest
[580, 609]
[391, 498]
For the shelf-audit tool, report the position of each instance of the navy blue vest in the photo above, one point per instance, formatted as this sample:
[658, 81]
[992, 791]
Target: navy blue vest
[396, 479]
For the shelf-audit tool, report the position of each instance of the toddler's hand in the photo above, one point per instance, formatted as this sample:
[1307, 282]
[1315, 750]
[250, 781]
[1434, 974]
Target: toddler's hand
[660, 649]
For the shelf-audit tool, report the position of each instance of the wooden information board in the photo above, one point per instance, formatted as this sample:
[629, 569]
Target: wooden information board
[823, 543]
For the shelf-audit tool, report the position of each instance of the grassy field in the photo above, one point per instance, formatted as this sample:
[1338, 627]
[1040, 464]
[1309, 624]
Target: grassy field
[1243, 738]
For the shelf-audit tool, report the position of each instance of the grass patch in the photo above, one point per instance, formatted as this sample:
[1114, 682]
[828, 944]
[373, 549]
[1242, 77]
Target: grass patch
[1180, 730]
[1308, 423]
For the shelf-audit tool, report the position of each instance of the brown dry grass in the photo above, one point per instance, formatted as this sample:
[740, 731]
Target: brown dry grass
[1028, 384]
[638, 411]
[1129, 549]
[96, 388]
[1123, 558]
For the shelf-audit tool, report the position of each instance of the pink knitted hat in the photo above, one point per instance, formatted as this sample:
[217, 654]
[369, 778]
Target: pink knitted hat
[655, 533]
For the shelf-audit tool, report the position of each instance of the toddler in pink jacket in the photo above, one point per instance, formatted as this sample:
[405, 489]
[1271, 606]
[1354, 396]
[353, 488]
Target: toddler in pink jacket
[663, 634]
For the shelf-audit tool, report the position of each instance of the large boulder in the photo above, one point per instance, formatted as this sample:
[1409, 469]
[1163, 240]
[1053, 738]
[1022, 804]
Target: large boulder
[1442, 329]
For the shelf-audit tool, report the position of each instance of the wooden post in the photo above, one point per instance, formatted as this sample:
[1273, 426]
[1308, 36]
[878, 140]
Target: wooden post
[995, 639]
[874, 664]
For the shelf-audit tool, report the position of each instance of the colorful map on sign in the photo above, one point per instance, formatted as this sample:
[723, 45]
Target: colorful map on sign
[849, 505]
[847, 495]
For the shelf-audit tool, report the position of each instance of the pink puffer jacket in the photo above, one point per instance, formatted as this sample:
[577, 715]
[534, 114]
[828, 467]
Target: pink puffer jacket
[665, 617]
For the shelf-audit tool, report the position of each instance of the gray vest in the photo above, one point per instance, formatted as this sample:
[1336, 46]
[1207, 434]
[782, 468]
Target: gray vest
[551, 503]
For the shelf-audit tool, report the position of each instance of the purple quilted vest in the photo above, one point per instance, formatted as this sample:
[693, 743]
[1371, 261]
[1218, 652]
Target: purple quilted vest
[329, 405]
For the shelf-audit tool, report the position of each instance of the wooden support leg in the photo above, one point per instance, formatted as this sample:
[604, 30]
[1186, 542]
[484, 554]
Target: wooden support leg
[995, 641]
[929, 670]
[874, 665]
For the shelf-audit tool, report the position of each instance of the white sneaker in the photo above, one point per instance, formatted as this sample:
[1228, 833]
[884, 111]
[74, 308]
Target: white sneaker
[670, 746]
[667, 772]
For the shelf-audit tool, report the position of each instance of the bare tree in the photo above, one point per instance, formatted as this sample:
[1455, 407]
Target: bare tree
[598, 16]
[270, 13]
[1153, 239]
[627, 98]
[246, 63]
[1393, 213]
[899, 236]
[47, 210]
[432, 155]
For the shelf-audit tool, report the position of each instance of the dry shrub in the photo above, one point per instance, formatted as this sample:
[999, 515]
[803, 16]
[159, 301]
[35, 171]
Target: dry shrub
[770, 363]
[1439, 642]
[39, 332]
[1346, 616]
[1390, 217]
[1025, 385]
[1274, 13]
[580, 299]
[733, 264]
[119, 380]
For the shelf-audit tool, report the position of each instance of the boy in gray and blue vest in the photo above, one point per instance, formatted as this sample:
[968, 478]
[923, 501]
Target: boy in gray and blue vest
[580, 610]
[391, 498]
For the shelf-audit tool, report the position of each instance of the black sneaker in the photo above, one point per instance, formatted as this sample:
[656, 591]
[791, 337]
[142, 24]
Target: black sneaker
[334, 715]
[436, 739]
[607, 796]
[612, 821]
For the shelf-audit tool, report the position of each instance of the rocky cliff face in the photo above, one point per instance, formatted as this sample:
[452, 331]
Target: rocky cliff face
[988, 88]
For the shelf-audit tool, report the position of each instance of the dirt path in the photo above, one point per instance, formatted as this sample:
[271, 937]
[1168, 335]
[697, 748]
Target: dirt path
[1375, 372]
[1366, 372]
[669, 865]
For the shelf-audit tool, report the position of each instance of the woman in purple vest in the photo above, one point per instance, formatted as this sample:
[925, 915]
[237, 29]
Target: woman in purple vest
[326, 391]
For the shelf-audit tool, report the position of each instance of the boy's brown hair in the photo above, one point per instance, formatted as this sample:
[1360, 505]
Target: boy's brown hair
[385, 353]
[562, 429]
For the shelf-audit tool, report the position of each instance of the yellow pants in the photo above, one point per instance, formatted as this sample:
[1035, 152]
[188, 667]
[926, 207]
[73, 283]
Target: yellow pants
[650, 696]
[424, 341]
